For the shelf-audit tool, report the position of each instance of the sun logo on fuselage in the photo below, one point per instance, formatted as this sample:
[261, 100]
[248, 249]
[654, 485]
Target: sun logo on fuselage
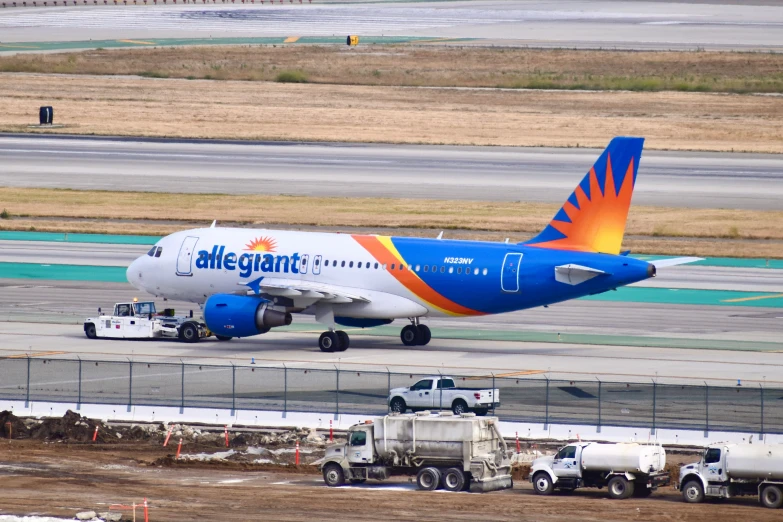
[262, 244]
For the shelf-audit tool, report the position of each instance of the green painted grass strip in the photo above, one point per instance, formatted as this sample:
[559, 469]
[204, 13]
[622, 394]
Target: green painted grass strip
[11, 235]
[106, 274]
[688, 296]
[733, 262]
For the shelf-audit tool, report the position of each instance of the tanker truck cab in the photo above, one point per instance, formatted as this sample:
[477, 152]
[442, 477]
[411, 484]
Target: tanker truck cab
[359, 448]
[625, 469]
[733, 470]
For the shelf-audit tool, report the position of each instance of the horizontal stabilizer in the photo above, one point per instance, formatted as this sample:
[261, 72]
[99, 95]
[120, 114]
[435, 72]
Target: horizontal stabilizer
[674, 261]
[575, 274]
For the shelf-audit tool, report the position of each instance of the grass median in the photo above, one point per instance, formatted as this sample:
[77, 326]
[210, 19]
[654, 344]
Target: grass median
[655, 230]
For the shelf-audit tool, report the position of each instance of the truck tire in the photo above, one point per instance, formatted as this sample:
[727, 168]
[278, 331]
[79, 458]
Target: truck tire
[772, 497]
[188, 333]
[397, 405]
[334, 475]
[620, 487]
[89, 331]
[642, 491]
[480, 412]
[428, 479]
[459, 407]
[693, 492]
[223, 337]
[542, 483]
[453, 479]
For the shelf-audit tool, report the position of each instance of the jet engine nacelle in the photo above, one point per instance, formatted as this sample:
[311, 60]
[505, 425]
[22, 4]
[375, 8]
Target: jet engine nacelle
[241, 316]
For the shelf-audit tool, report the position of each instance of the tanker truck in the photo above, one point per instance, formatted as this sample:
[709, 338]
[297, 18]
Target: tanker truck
[626, 469]
[732, 470]
[456, 453]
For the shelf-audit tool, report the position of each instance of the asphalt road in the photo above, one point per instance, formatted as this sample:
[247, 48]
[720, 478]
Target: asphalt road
[717, 24]
[674, 179]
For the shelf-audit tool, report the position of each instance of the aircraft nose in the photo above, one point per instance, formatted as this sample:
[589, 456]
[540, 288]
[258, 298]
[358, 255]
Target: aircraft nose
[134, 274]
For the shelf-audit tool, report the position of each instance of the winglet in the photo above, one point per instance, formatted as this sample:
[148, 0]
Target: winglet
[594, 216]
[214, 222]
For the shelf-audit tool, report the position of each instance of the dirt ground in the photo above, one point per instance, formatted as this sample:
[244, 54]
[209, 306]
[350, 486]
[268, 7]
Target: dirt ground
[429, 65]
[60, 479]
[133, 106]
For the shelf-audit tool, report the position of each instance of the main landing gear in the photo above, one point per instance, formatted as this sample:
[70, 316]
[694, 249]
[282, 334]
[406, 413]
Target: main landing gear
[415, 334]
[334, 341]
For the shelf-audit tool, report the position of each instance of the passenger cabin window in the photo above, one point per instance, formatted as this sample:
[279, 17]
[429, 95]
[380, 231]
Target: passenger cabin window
[350, 265]
[159, 252]
[359, 264]
[342, 265]
[426, 268]
[425, 384]
[393, 265]
[446, 384]
[569, 452]
[358, 438]
[712, 456]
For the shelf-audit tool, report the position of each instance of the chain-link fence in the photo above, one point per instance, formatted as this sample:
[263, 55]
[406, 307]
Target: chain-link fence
[526, 399]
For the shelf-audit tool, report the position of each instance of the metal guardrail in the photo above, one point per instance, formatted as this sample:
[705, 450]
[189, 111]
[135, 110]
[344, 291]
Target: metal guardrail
[754, 409]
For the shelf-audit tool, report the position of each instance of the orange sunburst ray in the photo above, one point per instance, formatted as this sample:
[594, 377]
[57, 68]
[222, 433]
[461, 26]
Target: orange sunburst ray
[262, 244]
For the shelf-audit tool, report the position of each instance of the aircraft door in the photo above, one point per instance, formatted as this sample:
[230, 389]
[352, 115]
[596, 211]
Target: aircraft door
[316, 265]
[509, 278]
[303, 262]
[185, 258]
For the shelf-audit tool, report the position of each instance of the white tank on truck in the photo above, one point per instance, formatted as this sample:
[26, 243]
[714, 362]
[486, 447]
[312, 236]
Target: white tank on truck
[627, 469]
[455, 453]
[733, 470]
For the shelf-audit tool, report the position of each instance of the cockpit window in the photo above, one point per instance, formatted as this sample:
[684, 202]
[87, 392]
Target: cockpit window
[152, 251]
[159, 251]
[144, 308]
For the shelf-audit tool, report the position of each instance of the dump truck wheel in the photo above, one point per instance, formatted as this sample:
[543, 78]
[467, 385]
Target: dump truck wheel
[453, 479]
[542, 483]
[693, 492]
[333, 475]
[428, 479]
[620, 488]
[89, 331]
[772, 497]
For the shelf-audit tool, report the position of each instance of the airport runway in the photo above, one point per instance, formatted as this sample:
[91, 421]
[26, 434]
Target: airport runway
[105, 254]
[718, 24]
[674, 179]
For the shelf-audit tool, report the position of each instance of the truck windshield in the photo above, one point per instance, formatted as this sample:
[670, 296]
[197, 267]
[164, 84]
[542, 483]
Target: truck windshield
[569, 452]
[712, 456]
[426, 384]
[358, 438]
[144, 308]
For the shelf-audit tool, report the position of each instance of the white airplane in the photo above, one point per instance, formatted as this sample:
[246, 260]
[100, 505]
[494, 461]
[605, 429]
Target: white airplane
[249, 281]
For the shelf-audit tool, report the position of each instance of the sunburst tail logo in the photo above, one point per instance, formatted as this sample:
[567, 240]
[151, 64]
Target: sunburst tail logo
[262, 244]
[594, 216]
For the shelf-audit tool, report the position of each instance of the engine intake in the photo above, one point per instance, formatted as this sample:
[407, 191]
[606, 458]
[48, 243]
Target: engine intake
[241, 316]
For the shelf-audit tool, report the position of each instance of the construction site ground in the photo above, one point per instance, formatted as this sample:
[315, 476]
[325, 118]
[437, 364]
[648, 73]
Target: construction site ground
[62, 474]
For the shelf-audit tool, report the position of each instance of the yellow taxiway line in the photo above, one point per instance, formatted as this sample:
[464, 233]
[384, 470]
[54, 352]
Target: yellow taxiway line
[756, 298]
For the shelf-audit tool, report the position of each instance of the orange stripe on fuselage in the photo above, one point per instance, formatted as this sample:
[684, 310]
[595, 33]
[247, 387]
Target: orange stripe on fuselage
[385, 255]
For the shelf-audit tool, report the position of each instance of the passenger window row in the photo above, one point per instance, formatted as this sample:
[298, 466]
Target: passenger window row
[418, 268]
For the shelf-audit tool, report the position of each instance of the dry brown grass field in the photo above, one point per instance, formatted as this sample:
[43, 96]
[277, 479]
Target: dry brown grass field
[706, 232]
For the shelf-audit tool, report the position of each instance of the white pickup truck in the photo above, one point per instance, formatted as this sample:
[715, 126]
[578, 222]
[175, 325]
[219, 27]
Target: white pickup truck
[441, 392]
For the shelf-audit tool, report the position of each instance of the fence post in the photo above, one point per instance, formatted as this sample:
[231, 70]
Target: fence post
[182, 392]
[655, 391]
[233, 389]
[388, 385]
[546, 414]
[285, 390]
[130, 384]
[27, 389]
[761, 434]
[706, 409]
[598, 430]
[440, 389]
[79, 397]
[337, 410]
[494, 399]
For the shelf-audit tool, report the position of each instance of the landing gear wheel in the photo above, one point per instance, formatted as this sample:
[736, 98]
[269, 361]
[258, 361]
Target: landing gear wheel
[410, 335]
[453, 480]
[89, 331]
[329, 342]
[223, 337]
[333, 475]
[344, 341]
[397, 405]
[428, 479]
[620, 488]
[424, 334]
[188, 333]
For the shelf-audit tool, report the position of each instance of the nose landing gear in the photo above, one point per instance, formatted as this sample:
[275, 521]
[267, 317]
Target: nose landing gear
[415, 334]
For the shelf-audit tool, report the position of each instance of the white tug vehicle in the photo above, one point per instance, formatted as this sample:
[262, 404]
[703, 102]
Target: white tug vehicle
[140, 320]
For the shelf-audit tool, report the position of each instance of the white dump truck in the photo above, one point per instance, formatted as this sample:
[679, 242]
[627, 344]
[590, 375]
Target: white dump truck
[626, 469]
[440, 392]
[140, 320]
[456, 453]
[733, 470]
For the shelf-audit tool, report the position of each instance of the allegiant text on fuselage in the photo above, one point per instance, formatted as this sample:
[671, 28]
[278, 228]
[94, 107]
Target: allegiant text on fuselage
[246, 263]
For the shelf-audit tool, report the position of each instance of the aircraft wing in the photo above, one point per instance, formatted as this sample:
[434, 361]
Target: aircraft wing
[309, 290]
[674, 261]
